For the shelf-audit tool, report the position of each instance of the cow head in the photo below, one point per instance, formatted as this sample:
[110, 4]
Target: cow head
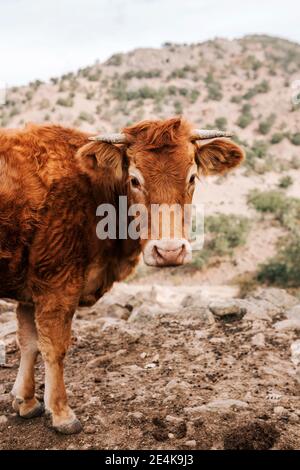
[160, 161]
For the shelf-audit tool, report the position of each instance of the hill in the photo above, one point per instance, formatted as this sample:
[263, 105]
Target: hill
[244, 85]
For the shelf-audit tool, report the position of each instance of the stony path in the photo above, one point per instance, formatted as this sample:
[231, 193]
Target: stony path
[172, 368]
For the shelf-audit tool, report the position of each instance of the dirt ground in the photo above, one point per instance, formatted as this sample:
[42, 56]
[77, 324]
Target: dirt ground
[158, 369]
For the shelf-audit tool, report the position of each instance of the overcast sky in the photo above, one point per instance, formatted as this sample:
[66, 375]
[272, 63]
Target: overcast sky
[45, 38]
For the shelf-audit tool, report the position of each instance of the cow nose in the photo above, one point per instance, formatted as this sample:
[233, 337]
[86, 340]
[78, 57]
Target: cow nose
[167, 252]
[171, 254]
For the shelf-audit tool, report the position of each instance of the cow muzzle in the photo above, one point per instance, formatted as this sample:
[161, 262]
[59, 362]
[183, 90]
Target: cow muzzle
[167, 252]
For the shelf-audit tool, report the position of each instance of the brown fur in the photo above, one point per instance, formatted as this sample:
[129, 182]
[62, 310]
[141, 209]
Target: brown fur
[51, 181]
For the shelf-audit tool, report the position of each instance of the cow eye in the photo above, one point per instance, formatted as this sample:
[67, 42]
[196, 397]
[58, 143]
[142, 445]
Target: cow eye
[135, 182]
[192, 179]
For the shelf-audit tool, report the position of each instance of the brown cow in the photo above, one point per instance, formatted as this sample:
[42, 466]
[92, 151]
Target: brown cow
[52, 180]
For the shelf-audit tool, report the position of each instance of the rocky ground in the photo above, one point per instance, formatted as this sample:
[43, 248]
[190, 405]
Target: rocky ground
[181, 368]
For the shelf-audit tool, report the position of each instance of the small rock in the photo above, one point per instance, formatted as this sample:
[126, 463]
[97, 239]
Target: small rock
[217, 340]
[133, 369]
[194, 410]
[143, 355]
[90, 429]
[258, 311]
[101, 361]
[171, 435]
[258, 340]
[290, 324]
[273, 396]
[295, 351]
[222, 308]
[177, 386]
[136, 417]
[174, 419]
[3, 420]
[5, 398]
[224, 405]
[293, 313]
[144, 314]
[294, 418]
[151, 365]
[121, 352]
[196, 314]
[280, 411]
[156, 359]
[192, 300]
[170, 399]
[118, 311]
[201, 334]
[277, 297]
[191, 444]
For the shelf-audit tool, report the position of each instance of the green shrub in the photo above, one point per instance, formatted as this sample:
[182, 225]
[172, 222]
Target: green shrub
[229, 231]
[244, 120]
[94, 76]
[215, 91]
[44, 104]
[265, 126]
[295, 162]
[284, 269]
[221, 123]
[262, 87]
[257, 157]
[67, 102]
[115, 59]
[245, 117]
[14, 112]
[178, 107]
[285, 181]
[272, 201]
[236, 99]
[194, 94]
[285, 209]
[277, 137]
[84, 116]
[154, 73]
[181, 72]
[209, 78]
[295, 138]
[172, 90]
[36, 84]
[183, 91]
[251, 62]
[223, 234]
[29, 95]
[119, 92]
[90, 95]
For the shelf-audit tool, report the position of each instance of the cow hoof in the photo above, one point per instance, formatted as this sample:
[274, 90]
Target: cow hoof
[38, 410]
[69, 428]
[28, 410]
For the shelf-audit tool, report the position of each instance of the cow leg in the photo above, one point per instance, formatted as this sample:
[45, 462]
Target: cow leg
[23, 390]
[53, 320]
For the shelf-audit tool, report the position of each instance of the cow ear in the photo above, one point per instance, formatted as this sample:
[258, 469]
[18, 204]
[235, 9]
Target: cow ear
[218, 156]
[97, 158]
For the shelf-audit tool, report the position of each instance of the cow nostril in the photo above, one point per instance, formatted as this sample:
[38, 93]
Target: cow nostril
[167, 254]
[157, 251]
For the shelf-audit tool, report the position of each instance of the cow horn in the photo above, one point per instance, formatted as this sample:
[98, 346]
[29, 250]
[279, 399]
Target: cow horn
[199, 134]
[110, 138]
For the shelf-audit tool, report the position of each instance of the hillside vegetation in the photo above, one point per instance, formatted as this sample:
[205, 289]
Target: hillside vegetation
[244, 85]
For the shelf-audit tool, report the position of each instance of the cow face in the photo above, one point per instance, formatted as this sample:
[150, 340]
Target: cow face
[159, 164]
[163, 181]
